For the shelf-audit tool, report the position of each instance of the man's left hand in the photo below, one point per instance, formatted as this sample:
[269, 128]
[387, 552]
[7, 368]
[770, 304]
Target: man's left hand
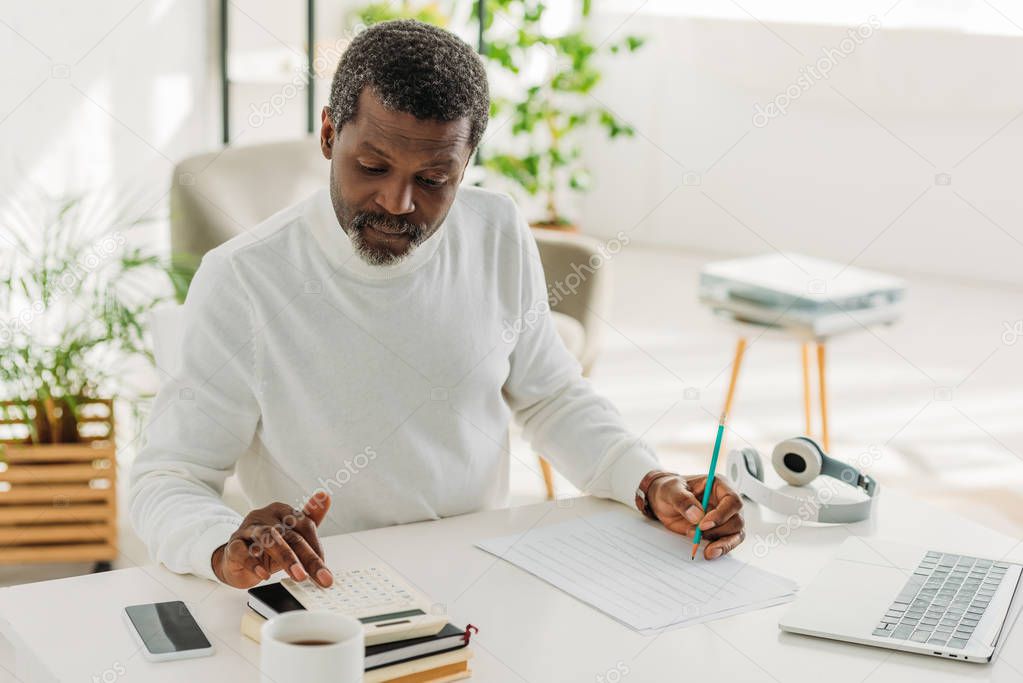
[676, 502]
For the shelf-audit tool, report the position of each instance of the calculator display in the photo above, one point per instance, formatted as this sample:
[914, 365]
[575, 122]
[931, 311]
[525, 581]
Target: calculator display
[392, 615]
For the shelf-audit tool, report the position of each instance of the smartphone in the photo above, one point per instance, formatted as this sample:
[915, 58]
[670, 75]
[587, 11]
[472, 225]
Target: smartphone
[167, 630]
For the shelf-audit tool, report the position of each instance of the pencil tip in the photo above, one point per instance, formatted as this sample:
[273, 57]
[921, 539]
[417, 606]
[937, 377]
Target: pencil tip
[693, 555]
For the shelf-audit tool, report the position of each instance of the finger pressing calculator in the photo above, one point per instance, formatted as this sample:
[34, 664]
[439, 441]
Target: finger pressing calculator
[387, 606]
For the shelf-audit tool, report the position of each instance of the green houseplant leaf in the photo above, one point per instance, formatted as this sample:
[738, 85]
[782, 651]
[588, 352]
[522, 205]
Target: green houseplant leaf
[74, 300]
[544, 118]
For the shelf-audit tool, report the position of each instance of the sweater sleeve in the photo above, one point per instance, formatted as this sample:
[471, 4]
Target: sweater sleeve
[578, 431]
[203, 419]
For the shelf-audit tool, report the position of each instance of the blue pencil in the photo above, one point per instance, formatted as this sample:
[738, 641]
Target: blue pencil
[710, 482]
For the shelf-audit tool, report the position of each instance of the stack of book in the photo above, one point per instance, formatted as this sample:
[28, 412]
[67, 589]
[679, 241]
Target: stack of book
[429, 659]
[407, 635]
[804, 295]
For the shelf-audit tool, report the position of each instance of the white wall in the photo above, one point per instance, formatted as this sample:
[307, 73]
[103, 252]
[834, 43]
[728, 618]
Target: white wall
[849, 173]
[102, 97]
[110, 95]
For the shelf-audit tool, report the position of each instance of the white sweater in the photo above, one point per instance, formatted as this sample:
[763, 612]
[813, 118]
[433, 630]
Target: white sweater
[390, 387]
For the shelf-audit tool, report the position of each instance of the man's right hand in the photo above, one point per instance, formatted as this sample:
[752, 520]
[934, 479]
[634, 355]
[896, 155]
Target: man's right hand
[273, 538]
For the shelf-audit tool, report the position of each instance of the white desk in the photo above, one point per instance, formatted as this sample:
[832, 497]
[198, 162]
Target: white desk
[71, 629]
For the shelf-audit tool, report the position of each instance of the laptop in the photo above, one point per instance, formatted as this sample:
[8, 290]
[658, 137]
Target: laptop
[895, 596]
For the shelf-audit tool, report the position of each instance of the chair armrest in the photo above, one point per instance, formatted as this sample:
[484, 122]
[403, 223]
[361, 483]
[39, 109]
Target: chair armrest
[578, 276]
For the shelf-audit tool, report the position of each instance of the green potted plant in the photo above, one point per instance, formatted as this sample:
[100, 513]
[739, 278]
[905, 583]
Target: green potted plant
[428, 12]
[543, 117]
[74, 297]
[546, 117]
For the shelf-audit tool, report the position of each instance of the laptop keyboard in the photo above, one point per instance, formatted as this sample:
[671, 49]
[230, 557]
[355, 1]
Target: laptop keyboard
[943, 601]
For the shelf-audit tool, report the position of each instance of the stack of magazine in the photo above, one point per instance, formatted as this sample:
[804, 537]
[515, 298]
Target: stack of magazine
[807, 296]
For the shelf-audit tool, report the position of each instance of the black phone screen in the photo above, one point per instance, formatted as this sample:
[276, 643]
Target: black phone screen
[276, 597]
[167, 627]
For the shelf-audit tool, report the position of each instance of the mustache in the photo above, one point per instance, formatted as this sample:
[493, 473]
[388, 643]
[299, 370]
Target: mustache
[391, 224]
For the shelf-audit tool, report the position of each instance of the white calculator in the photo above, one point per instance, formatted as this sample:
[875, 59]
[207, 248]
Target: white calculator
[387, 606]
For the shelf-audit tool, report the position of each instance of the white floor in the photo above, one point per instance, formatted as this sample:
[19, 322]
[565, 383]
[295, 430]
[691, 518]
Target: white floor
[934, 403]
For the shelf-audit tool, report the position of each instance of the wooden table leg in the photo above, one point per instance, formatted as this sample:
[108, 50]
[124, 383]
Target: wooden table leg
[548, 477]
[740, 349]
[806, 389]
[825, 440]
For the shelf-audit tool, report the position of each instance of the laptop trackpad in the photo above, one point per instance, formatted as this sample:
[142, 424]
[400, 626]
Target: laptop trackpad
[846, 598]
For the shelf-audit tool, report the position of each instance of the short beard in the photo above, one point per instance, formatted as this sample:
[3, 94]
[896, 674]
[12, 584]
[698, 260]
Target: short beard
[356, 227]
[378, 256]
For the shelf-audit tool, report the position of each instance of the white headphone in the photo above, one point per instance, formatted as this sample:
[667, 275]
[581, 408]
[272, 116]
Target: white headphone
[799, 461]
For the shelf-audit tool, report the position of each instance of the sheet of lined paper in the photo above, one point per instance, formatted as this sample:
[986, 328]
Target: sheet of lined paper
[639, 573]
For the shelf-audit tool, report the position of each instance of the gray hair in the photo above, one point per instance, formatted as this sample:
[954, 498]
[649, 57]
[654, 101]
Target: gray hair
[415, 68]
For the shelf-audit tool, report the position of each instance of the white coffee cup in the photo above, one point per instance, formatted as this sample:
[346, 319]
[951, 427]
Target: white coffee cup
[283, 659]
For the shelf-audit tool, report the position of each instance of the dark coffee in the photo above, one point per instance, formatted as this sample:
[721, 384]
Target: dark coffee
[311, 642]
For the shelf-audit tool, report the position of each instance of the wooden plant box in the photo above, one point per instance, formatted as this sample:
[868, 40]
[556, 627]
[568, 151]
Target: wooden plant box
[58, 502]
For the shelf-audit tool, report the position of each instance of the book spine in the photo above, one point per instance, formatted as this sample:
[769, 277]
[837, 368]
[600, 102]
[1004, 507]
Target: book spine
[252, 626]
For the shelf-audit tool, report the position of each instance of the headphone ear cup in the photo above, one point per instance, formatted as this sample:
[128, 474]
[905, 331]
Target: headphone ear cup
[754, 465]
[743, 462]
[798, 461]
